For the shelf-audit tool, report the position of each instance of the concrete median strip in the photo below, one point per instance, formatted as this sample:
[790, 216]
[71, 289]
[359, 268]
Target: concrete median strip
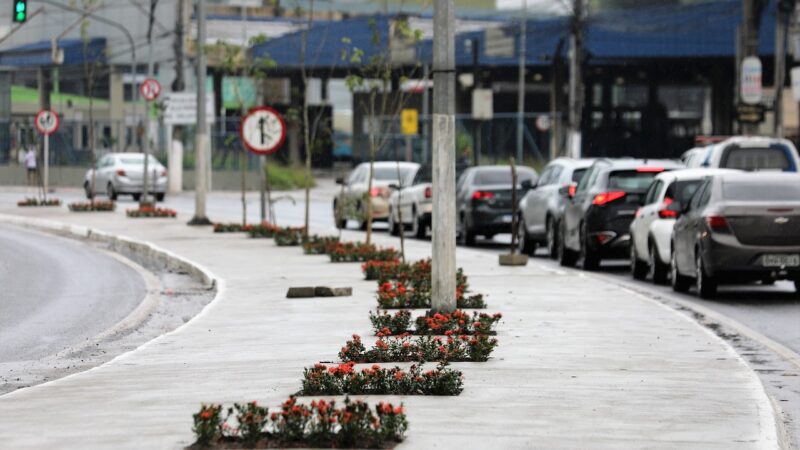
[582, 364]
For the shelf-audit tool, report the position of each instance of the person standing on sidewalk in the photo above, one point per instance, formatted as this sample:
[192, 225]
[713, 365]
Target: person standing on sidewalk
[30, 165]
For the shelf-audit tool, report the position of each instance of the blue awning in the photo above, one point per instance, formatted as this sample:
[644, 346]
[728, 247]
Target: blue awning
[40, 53]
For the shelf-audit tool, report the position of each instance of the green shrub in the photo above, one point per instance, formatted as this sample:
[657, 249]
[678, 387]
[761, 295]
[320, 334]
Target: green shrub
[285, 178]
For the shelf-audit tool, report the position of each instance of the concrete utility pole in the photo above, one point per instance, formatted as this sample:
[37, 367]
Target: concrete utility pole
[748, 45]
[443, 271]
[201, 130]
[782, 19]
[146, 104]
[576, 78]
[523, 35]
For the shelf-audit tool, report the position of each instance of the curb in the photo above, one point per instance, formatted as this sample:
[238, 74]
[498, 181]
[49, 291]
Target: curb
[137, 252]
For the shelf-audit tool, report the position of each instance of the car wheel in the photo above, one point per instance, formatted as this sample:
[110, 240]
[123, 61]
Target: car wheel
[525, 244]
[797, 286]
[418, 229]
[659, 272]
[160, 197]
[591, 261]
[680, 283]
[394, 228]
[566, 257]
[112, 194]
[88, 190]
[706, 285]
[362, 213]
[136, 197]
[338, 218]
[552, 238]
[638, 268]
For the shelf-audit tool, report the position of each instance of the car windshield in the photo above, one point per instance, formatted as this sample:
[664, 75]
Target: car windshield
[485, 177]
[762, 190]
[682, 191]
[135, 160]
[630, 180]
[390, 173]
[425, 175]
[756, 158]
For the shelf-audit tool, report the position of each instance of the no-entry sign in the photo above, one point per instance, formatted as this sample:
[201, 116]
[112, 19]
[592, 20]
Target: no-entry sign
[46, 122]
[150, 89]
[263, 130]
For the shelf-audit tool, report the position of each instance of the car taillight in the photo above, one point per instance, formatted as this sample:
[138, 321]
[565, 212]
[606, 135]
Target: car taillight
[428, 192]
[573, 188]
[120, 172]
[378, 192]
[666, 213]
[637, 213]
[649, 169]
[482, 195]
[717, 223]
[607, 197]
[163, 173]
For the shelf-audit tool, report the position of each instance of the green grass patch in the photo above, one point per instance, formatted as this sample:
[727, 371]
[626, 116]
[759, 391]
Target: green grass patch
[286, 178]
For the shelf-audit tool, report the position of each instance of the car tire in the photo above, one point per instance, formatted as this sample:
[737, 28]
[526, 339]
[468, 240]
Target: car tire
[418, 229]
[706, 285]
[112, 193]
[136, 197]
[680, 283]
[658, 271]
[394, 228]
[638, 268]
[525, 244]
[88, 191]
[160, 197]
[797, 286]
[590, 261]
[341, 222]
[566, 257]
[551, 231]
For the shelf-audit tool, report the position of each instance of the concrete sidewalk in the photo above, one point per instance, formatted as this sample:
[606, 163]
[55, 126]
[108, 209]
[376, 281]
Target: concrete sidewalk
[581, 363]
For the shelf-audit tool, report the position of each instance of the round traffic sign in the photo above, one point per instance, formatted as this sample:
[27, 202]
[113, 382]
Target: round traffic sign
[263, 130]
[543, 123]
[46, 122]
[150, 89]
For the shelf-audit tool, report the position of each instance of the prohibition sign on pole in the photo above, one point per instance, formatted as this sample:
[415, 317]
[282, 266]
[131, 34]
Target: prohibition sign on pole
[263, 130]
[46, 122]
[150, 89]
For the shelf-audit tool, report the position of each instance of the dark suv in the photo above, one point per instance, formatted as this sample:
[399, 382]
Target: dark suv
[597, 216]
[738, 228]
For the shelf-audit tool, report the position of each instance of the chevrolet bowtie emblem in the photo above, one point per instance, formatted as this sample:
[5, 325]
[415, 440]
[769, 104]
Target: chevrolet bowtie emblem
[781, 220]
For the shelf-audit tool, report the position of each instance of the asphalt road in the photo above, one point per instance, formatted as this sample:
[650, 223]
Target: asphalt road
[56, 293]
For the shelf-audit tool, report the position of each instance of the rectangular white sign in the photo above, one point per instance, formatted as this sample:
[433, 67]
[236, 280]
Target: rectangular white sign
[181, 108]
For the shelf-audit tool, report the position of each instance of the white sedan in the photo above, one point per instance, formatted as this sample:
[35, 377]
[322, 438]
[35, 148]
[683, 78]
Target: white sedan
[411, 200]
[123, 173]
[651, 228]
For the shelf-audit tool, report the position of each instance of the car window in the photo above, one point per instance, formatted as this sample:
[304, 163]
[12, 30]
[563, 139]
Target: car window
[493, 176]
[390, 173]
[761, 190]
[682, 191]
[577, 175]
[695, 200]
[133, 160]
[760, 158]
[652, 192]
[356, 176]
[556, 175]
[547, 175]
[705, 196]
[587, 179]
[424, 175]
[630, 180]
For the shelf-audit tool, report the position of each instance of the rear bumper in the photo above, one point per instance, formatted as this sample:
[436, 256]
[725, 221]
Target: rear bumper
[489, 221]
[609, 237]
[127, 186]
[380, 208]
[724, 257]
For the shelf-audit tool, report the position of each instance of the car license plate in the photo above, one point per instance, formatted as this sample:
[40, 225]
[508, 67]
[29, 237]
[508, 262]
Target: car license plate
[780, 260]
[506, 218]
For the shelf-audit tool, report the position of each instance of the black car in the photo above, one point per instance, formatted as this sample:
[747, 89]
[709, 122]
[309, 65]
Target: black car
[541, 208]
[483, 200]
[597, 216]
[738, 228]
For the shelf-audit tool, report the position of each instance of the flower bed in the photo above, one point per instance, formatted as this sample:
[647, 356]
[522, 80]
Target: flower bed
[320, 245]
[424, 348]
[289, 236]
[232, 227]
[359, 252]
[382, 270]
[150, 211]
[416, 275]
[32, 201]
[395, 295]
[320, 425]
[456, 323]
[97, 205]
[344, 379]
[262, 230]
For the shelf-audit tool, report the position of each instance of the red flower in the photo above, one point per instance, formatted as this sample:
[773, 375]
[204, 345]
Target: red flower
[399, 375]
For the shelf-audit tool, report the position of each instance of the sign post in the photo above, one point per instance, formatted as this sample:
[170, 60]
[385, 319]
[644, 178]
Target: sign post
[409, 124]
[46, 122]
[150, 90]
[263, 132]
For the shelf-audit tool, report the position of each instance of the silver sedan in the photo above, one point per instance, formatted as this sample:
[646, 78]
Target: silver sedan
[123, 173]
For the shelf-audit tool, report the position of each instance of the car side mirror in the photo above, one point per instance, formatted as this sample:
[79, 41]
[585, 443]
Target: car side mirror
[526, 185]
[339, 180]
[394, 187]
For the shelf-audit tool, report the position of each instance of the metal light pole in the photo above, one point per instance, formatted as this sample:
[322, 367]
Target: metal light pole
[521, 82]
[201, 130]
[444, 163]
